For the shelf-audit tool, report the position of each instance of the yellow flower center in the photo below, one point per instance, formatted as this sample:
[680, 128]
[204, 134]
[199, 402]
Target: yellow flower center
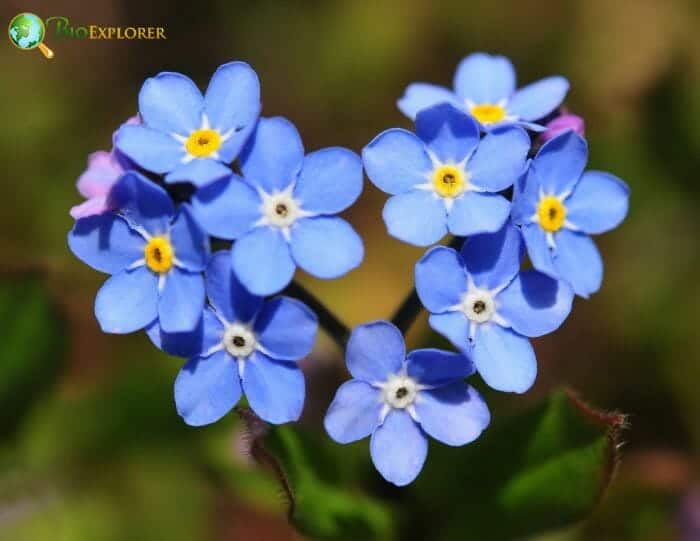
[159, 254]
[488, 113]
[203, 143]
[449, 180]
[551, 213]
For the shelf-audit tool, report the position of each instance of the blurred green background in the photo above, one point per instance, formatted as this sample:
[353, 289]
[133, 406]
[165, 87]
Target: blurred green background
[91, 447]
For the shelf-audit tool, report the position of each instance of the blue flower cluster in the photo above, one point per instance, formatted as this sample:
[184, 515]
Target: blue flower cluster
[194, 168]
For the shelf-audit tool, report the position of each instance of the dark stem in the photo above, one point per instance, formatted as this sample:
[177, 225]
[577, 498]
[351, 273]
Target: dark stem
[411, 306]
[331, 324]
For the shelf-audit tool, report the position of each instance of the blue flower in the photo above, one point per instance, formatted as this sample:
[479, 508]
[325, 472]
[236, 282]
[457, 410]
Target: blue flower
[558, 205]
[445, 178]
[400, 400]
[479, 301]
[155, 256]
[248, 345]
[484, 86]
[281, 214]
[190, 137]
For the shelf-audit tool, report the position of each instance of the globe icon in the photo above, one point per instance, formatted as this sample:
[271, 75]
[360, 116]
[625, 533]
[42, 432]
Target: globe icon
[26, 31]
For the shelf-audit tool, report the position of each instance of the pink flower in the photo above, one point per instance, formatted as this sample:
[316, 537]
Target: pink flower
[561, 124]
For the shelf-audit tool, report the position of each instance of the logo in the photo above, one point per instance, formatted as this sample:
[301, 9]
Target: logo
[27, 32]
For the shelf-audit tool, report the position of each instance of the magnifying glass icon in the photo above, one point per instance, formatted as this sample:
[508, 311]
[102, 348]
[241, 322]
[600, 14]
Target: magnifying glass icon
[27, 31]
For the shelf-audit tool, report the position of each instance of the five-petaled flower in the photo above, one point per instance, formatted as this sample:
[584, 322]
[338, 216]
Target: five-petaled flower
[190, 137]
[399, 400]
[281, 214]
[484, 86]
[479, 301]
[557, 206]
[445, 178]
[250, 345]
[155, 256]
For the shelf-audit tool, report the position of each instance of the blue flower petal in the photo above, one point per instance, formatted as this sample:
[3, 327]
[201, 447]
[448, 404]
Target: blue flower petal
[354, 412]
[227, 208]
[181, 301]
[538, 99]
[484, 78]
[396, 161]
[171, 103]
[375, 351]
[577, 260]
[326, 246]
[286, 328]
[455, 327]
[500, 159]
[128, 301]
[262, 261]
[106, 243]
[504, 359]
[537, 249]
[151, 149]
[143, 203]
[535, 304]
[447, 131]
[275, 389]
[206, 389]
[274, 154]
[454, 414]
[232, 102]
[206, 334]
[476, 213]
[419, 96]
[526, 195]
[441, 279]
[399, 448]
[226, 294]
[494, 259]
[599, 202]
[437, 367]
[560, 162]
[190, 244]
[416, 217]
[330, 180]
[200, 171]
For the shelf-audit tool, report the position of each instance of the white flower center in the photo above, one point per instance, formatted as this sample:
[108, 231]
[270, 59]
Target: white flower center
[399, 391]
[239, 341]
[478, 305]
[281, 209]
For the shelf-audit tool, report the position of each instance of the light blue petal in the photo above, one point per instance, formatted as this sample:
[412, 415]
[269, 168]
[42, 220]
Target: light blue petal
[232, 102]
[505, 360]
[275, 389]
[200, 171]
[106, 243]
[419, 96]
[226, 294]
[560, 162]
[181, 301]
[535, 304]
[330, 180]
[538, 99]
[484, 78]
[326, 246]
[354, 412]
[476, 213]
[493, 259]
[262, 261]
[396, 161]
[599, 202]
[526, 195]
[578, 261]
[437, 367]
[455, 327]
[171, 103]
[537, 249]
[500, 159]
[206, 334]
[416, 217]
[190, 244]
[455, 414]
[274, 154]
[447, 131]
[286, 328]
[143, 203]
[441, 279]
[206, 389]
[399, 448]
[151, 149]
[375, 351]
[128, 301]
